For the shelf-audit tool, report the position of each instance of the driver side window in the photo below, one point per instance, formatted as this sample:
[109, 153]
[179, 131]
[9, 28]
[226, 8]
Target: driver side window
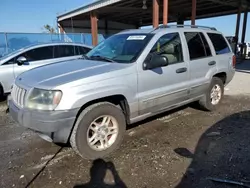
[10, 62]
[169, 46]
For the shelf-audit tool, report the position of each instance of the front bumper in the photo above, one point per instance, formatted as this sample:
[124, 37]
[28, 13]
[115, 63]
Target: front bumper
[56, 125]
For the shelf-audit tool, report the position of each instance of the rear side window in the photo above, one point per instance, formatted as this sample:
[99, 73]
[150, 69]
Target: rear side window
[39, 54]
[206, 46]
[83, 50]
[197, 47]
[219, 43]
[64, 51]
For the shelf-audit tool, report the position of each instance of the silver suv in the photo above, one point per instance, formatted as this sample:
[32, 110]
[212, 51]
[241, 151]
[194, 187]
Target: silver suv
[33, 56]
[128, 77]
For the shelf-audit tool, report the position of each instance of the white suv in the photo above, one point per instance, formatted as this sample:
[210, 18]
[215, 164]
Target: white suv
[128, 77]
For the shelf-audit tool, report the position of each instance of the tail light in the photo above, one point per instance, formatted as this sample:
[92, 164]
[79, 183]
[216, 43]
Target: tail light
[234, 61]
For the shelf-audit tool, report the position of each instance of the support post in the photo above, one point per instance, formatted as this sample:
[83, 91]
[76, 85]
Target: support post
[194, 2]
[94, 28]
[237, 28]
[155, 13]
[165, 12]
[244, 26]
[106, 27]
[244, 32]
[238, 23]
[61, 31]
[6, 43]
[180, 19]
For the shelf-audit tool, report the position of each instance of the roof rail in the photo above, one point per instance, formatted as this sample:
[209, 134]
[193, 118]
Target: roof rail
[191, 26]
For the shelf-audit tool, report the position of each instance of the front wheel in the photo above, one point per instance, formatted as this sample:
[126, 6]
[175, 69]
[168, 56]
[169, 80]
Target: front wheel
[213, 96]
[98, 131]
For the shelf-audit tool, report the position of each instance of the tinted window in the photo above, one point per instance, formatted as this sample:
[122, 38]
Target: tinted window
[169, 45]
[39, 54]
[206, 46]
[64, 51]
[195, 45]
[12, 61]
[219, 43]
[83, 50]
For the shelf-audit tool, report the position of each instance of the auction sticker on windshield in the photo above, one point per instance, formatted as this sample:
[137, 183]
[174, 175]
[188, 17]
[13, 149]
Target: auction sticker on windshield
[137, 37]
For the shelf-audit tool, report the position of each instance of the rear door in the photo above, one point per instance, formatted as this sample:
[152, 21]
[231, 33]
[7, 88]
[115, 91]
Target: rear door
[66, 52]
[201, 62]
[83, 50]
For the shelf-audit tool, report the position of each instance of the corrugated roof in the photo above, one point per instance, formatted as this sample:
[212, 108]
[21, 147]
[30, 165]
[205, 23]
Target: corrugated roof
[131, 11]
[87, 8]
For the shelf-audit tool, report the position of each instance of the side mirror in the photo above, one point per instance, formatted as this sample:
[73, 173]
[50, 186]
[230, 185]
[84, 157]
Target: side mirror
[155, 62]
[20, 60]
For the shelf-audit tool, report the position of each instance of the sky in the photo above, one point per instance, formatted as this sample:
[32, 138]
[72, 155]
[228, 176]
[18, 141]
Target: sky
[31, 15]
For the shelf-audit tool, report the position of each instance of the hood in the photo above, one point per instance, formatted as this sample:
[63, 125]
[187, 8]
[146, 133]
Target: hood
[56, 74]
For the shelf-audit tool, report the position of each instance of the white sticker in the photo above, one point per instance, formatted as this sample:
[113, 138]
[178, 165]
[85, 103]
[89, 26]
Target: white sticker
[136, 37]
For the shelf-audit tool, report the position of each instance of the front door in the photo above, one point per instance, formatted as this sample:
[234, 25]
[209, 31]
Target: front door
[163, 87]
[34, 58]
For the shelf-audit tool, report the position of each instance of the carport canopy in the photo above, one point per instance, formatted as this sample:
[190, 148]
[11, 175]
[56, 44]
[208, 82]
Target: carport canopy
[111, 16]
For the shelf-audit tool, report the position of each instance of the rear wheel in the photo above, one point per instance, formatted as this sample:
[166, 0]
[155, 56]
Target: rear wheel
[99, 130]
[213, 96]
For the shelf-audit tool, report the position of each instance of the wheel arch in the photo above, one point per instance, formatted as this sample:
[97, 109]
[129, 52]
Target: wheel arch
[222, 76]
[118, 99]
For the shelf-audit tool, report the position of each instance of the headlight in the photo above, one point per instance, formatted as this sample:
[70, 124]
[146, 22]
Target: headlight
[43, 99]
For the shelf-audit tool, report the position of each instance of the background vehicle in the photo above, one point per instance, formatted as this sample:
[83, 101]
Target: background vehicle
[33, 56]
[130, 76]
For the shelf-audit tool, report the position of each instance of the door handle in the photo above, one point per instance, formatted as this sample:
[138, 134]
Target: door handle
[211, 63]
[181, 70]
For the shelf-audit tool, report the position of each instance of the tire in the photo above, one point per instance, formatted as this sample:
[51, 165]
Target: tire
[79, 136]
[206, 102]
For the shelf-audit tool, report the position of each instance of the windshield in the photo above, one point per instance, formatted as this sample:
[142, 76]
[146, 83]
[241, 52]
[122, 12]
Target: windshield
[121, 48]
[11, 53]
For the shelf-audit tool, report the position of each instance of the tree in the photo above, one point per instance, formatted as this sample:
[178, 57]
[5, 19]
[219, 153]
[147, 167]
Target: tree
[49, 29]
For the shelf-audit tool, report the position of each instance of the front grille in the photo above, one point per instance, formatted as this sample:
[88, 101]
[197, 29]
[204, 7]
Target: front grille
[18, 95]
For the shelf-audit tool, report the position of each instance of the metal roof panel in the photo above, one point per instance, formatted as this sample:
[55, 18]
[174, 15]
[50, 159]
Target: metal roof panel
[87, 8]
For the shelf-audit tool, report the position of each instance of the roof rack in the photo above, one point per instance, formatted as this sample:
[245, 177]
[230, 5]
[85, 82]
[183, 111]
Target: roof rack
[191, 26]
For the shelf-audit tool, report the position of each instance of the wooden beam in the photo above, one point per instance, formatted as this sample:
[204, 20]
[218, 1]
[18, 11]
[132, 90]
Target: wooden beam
[165, 12]
[225, 2]
[106, 26]
[194, 3]
[94, 28]
[155, 13]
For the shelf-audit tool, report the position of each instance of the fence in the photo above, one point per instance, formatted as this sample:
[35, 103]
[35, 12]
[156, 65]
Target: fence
[10, 42]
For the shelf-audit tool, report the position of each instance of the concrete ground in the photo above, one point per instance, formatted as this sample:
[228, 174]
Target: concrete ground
[181, 149]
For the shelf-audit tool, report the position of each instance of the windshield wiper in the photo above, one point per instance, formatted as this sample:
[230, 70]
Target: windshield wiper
[98, 57]
[84, 57]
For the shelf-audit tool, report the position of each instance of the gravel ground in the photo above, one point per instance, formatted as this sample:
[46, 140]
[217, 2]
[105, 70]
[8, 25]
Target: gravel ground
[181, 149]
